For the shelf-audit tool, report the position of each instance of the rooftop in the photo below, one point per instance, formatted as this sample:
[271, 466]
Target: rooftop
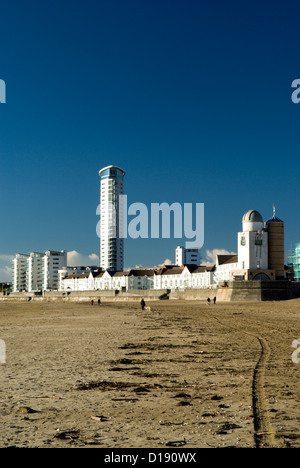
[225, 259]
[111, 167]
[252, 216]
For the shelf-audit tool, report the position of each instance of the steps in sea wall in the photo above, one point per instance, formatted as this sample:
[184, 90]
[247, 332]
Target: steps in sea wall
[243, 291]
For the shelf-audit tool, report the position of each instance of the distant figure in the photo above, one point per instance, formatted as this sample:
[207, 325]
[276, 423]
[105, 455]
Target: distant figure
[143, 304]
[208, 301]
[215, 299]
[99, 302]
[92, 302]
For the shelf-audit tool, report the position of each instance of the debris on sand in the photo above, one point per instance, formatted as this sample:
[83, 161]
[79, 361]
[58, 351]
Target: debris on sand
[71, 434]
[100, 418]
[176, 443]
[26, 410]
[182, 395]
[104, 385]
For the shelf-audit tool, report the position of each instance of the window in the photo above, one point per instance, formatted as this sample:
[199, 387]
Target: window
[243, 240]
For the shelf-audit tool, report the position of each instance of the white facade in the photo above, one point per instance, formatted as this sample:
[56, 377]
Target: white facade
[111, 218]
[19, 272]
[225, 264]
[53, 262]
[184, 277]
[108, 281]
[37, 271]
[185, 256]
[67, 271]
[176, 278]
[253, 243]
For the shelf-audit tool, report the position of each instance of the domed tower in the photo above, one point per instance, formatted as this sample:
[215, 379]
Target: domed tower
[275, 228]
[253, 243]
[252, 221]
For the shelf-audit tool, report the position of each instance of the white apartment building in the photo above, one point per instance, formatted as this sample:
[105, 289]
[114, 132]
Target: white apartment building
[37, 271]
[185, 256]
[111, 218]
[19, 272]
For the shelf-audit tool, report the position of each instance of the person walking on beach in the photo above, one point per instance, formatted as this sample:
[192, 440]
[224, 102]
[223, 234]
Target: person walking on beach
[92, 302]
[208, 301]
[215, 299]
[143, 304]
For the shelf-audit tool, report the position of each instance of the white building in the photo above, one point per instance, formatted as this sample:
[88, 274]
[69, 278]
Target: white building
[225, 264]
[184, 277]
[19, 272]
[167, 277]
[253, 243]
[111, 218]
[67, 271]
[37, 271]
[254, 258]
[185, 256]
[108, 280]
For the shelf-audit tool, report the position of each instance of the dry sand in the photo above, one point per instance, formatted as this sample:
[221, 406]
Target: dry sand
[184, 374]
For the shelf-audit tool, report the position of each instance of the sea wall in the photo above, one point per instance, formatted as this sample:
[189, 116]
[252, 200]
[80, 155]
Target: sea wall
[239, 291]
[236, 291]
[87, 296]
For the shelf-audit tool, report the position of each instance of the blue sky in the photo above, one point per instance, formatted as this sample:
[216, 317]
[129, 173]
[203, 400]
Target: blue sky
[191, 98]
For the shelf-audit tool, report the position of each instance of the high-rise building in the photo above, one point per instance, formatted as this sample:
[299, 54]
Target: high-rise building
[37, 271]
[111, 218]
[185, 256]
[20, 272]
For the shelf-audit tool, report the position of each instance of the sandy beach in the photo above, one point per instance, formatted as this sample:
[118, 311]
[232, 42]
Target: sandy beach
[181, 375]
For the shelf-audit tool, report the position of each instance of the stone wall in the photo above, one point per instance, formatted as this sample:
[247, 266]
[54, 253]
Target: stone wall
[238, 291]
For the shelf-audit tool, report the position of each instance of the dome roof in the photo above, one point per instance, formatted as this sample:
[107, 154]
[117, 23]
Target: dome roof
[252, 216]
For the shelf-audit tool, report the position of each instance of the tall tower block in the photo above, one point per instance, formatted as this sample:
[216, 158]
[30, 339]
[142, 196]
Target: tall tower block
[275, 228]
[111, 243]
